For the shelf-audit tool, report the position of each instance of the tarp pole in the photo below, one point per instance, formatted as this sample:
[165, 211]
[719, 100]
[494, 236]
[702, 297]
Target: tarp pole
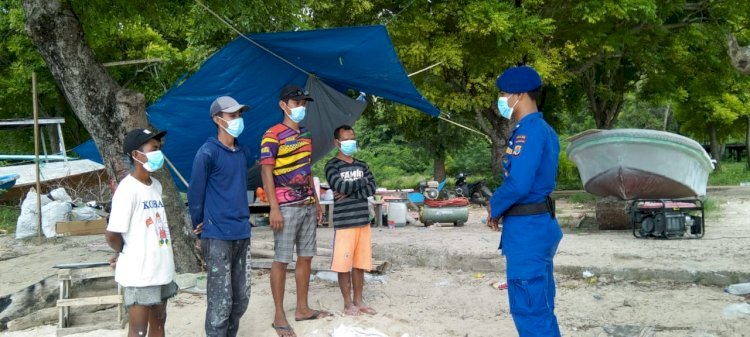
[446, 119]
[466, 127]
[425, 69]
[36, 158]
[182, 179]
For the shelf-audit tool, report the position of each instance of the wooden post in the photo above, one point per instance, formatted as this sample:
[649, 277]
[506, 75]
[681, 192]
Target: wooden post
[36, 158]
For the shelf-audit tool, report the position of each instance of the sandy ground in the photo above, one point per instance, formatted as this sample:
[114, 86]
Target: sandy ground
[439, 283]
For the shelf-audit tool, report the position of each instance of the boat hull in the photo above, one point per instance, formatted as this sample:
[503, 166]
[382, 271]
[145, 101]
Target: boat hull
[632, 164]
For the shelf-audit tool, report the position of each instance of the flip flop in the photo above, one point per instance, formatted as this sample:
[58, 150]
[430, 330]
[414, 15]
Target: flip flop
[318, 314]
[283, 330]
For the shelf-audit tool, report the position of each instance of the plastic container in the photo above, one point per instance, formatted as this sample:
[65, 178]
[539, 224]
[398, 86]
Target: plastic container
[397, 214]
[738, 289]
[736, 310]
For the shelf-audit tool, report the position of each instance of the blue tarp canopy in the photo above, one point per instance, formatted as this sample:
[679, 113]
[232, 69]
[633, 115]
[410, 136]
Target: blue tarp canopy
[357, 58]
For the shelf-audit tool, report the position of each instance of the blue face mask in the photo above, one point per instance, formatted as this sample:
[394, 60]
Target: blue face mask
[297, 114]
[348, 147]
[154, 160]
[505, 110]
[234, 127]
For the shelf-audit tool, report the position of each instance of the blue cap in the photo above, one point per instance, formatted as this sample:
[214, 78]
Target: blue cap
[518, 80]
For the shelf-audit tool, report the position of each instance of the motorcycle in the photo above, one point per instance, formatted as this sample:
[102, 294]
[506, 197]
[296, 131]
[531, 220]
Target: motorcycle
[477, 192]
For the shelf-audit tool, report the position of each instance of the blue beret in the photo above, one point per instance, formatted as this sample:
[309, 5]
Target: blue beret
[518, 80]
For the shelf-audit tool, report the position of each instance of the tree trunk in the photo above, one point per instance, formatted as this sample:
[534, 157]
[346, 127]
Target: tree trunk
[739, 56]
[605, 105]
[499, 130]
[715, 146]
[612, 214]
[666, 116]
[747, 142]
[53, 138]
[439, 167]
[106, 110]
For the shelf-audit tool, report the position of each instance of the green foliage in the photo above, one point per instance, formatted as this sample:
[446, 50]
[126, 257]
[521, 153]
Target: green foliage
[474, 39]
[393, 161]
[473, 159]
[711, 206]
[581, 198]
[641, 114]
[180, 33]
[8, 218]
[731, 174]
[568, 177]
[626, 59]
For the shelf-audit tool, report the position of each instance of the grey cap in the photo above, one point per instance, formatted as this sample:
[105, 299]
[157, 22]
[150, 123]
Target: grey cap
[226, 104]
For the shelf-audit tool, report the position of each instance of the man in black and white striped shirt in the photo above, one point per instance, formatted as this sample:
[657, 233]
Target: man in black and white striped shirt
[352, 183]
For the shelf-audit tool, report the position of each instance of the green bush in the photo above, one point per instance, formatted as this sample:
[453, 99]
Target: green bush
[731, 174]
[581, 197]
[568, 177]
[711, 206]
[9, 217]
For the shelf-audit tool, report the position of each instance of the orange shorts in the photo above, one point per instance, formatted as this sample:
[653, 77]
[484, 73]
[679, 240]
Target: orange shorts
[352, 247]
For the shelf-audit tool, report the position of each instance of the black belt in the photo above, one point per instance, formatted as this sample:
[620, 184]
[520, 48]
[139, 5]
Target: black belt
[548, 206]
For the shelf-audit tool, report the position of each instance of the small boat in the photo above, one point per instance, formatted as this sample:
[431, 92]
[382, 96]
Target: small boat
[82, 173]
[640, 164]
[7, 181]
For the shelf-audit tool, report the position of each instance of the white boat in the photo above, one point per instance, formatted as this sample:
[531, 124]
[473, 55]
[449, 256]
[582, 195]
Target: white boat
[60, 173]
[638, 164]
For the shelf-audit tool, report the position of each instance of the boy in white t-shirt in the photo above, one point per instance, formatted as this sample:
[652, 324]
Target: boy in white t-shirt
[138, 231]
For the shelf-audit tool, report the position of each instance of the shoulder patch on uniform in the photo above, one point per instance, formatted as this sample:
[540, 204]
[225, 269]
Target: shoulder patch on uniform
[520, 139]
[508, 150]
[517, 150]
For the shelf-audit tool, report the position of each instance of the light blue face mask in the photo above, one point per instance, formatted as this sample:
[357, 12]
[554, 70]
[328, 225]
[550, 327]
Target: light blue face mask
[154, 160]
[505, 110]
[298, 114]
[234, 127]
[348, 147]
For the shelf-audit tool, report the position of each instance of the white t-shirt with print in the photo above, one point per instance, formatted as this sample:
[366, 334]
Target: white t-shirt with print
[138, 213]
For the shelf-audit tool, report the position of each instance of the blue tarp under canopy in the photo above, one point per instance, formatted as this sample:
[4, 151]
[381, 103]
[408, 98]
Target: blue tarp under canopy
[339, 59]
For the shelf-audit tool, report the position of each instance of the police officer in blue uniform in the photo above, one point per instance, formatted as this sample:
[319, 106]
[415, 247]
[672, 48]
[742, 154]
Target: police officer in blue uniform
[530, 233]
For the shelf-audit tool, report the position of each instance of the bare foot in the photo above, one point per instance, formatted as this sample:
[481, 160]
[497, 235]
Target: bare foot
[366, 309]
[352, 311]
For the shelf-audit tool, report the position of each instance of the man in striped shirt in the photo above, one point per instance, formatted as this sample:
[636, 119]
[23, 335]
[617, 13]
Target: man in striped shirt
[352, 183]
[285, 158]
